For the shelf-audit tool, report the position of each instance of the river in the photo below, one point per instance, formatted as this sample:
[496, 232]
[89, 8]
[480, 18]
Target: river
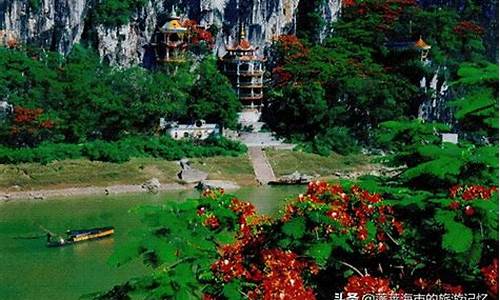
[29, 270]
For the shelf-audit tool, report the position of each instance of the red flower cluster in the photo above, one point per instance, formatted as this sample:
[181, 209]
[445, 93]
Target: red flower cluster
[353, 212]
[465, 28]
[348, 3]
[213, 194]
[283, 277]
[230, 265]
[390, 10]
[464, 194]
[26, 115]
[490, 274]
[29, 120]
[472, 192]
[291, 46]
[368, 285]
[280, 76]
[198, 34]
[212, 222]
[277, 274]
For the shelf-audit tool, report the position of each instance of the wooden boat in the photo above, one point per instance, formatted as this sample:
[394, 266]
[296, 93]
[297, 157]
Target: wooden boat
[295, 178]
[289, 182]
[76, 236]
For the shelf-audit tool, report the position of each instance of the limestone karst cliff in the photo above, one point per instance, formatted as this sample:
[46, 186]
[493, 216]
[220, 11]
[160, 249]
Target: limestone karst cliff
[59, 24]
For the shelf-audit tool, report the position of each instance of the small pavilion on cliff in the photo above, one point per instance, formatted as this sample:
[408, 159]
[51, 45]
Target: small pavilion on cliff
[171, 41]
[245, 70]
[420, 46]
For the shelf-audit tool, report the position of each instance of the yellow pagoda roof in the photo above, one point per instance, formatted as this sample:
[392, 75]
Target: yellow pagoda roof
[174, 25]
[422, 45]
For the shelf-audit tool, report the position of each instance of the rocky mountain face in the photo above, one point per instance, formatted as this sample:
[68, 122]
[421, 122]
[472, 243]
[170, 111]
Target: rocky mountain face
[59, 24]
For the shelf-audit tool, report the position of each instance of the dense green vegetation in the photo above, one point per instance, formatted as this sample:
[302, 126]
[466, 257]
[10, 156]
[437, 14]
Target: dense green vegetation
[77, 99]
[334, 95]
[116, 12]
[123, 150]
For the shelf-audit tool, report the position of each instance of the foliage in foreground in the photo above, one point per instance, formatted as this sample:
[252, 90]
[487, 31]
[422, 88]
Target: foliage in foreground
[122, 150]
[332, 239]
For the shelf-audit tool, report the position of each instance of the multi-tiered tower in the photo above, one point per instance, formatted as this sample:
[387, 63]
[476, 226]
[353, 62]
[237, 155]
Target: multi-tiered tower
[245, 70]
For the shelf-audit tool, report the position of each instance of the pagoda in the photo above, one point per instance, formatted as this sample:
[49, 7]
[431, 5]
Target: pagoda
[171, 41]
[419, 46]
[245, 71]
[423, 48]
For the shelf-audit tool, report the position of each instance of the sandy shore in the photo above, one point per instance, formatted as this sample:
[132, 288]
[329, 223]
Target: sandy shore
[102, 191]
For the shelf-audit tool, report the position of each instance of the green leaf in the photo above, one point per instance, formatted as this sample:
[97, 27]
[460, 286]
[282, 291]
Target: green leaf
[441, 168]
[295, 228]
[184, 294]
[372, 230]
[225, 237]
[232, 290]
[184, 274]
[125, 253]
[458, 238]
[341, 241]
[165, 251]
[348, 273]
[320, 253]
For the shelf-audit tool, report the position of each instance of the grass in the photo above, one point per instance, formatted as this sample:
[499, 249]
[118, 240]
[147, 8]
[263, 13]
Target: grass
[238, 169]
[285, 162]
[83, 173]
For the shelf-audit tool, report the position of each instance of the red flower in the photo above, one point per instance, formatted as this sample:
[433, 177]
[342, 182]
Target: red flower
[398, 226]
[472, 192]
[469, 211]
[212, 222]
[201, 211]
[367, 285]
[455, 205]
[423, 284]
[490, 274]
[283, 279]
[467, 27]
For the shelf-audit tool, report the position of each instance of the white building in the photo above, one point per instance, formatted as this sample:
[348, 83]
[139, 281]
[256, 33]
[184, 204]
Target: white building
[5, 109]
[200, 130]
[449, 138]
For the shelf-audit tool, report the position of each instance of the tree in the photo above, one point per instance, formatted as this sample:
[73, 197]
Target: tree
[477, 110]
[212, 98]
[298, 109]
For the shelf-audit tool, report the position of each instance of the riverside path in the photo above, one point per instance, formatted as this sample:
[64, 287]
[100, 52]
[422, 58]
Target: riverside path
[262, 168]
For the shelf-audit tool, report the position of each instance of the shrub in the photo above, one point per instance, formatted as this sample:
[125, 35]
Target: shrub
[122, 150]
[105, 151]
[331, 239]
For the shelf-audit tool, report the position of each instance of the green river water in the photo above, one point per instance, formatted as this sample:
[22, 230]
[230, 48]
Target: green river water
[29, 270]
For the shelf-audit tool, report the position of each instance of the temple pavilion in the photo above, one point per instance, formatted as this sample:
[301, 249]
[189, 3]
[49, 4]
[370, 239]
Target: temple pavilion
[245, 70]
[423, 48]
[420, 46]
[171, 41]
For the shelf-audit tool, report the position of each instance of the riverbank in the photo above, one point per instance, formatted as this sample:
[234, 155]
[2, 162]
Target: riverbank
[70, 178]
